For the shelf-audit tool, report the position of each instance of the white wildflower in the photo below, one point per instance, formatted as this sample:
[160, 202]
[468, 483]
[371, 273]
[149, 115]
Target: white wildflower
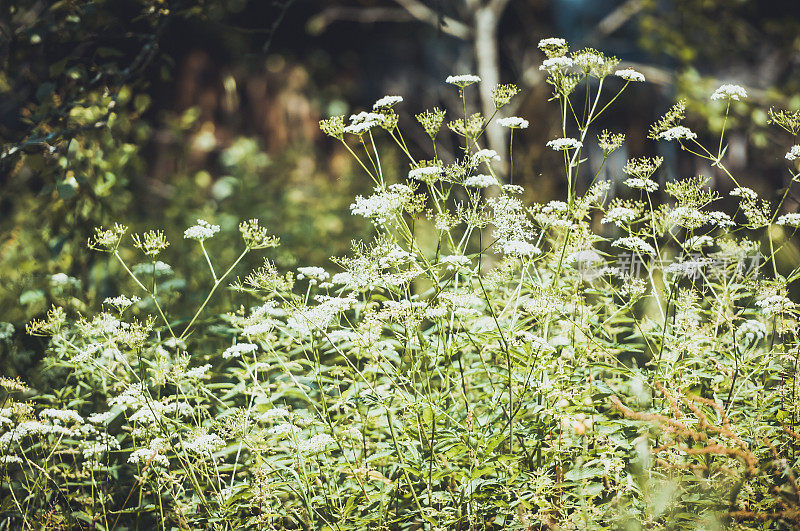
[688, 268]
[696, 243]
[638, 183]
[748, 194]
[513, 189]
[205, 444]
[751, 329]
[361, 127]
[462, 80]
[678, 132]
[520, 248]
[720, 219]
[121, 302]
[552, 42]
[634, 243]
[8, 459]
[588, 60]
[513, 122]
[555, 64]
[100, 418]
[387, 101]
[313, 273]
[629, 74]
[775, 304]
[562, 144]
[197, 373]
[148, 455]
[202, 230]
[364, 116]
[793, 153]
[283, 429]
[484, 155]
[383, 204]
[425, 173]
[237, 349]
[158, 269]
[61, 416]
[620, 215]
[733, 92]
[792, 220]
[480, 181]
[315, 444]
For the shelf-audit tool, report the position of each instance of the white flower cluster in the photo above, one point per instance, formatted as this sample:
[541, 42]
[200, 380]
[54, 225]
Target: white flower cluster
[638, 183]
[101, 418]
[747, 194]
[95, 448]
[792, 220]
[9, 459]
[234, 351]
[33, 427]
[556, 64]
[60, 280]
[620, 215]
[634, 243]
[364, 121]
[480, 181]
[720, 219]
[387, 102]
[484, 155]
[726, 91]
[61, 416]
[629, 74]
[311, 319]
[775, 304]
[201, 231]
[158, 269]
[687, 268]
[197, 373]
[205, 443]
[462, 80]
[752, 329]
[152, 412]
[121, 302]
[316, 444]
[679, 132]
[563, 144]
[520, 248]
[148, 455]
[425, 173]
[687, 217]
[793, 153]
[513, 122]
[313, 273]
[552, 42]
[696, 243]
[588, 61]
[383, 204]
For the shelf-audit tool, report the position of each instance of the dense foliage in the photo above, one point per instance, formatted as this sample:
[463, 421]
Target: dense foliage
[611, 360]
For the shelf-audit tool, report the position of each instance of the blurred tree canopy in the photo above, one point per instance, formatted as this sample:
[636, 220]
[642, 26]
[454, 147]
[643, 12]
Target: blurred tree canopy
[155, 112]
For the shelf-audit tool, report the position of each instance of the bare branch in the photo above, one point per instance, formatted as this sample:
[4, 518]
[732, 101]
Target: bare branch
[366, 15]
[423, 13]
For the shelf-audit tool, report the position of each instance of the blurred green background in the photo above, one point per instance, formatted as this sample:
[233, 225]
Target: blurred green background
[153, 113]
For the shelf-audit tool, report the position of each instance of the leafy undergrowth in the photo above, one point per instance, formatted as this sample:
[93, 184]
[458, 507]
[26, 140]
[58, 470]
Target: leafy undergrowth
[622, 360]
